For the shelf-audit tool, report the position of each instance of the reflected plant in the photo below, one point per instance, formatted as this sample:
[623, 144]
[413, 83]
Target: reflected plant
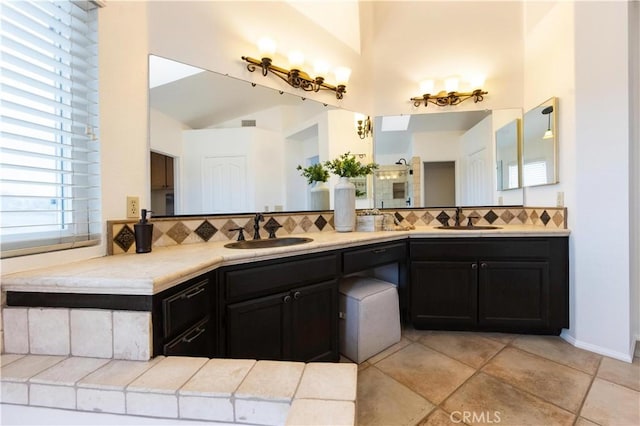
[314, 173]
[346, 165]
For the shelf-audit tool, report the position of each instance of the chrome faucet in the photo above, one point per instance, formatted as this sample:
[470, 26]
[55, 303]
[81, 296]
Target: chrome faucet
[256, 225]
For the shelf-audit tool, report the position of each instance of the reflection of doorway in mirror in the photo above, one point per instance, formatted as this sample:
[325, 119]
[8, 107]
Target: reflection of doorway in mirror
[439, 183]
[224, 186]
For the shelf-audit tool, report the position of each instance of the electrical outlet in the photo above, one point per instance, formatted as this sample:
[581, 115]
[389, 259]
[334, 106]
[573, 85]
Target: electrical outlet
[560, 199]
[133, 207]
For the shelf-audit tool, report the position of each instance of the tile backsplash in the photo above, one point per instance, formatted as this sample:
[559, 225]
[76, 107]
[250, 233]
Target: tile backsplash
[199, 229]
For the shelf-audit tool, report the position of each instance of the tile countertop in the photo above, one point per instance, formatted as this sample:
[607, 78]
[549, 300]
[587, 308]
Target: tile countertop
[164, 267]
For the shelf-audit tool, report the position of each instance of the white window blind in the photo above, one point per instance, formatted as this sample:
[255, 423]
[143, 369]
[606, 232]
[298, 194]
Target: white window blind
[535, 173]
[49, 148]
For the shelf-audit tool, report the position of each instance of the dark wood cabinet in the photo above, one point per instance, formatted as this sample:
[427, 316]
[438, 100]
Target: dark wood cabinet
[184, 319]
[299, 325]
[161, 171]
[283, 309]
[500, 284]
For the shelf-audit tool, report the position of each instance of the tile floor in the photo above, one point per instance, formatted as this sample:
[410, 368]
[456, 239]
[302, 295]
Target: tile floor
[440, 378]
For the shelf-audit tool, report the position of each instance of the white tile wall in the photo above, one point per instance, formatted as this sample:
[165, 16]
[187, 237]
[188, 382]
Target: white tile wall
[261, 412]
[318, 412]
[52, 396]
[16, 330]
[91, 333]
[14, 393]
[132, 335]
[49, 331]
[104, 401]
[152, 404]
[205, 408]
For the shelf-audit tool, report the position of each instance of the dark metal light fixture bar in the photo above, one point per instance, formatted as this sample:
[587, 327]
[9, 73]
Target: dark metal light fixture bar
[449, 98]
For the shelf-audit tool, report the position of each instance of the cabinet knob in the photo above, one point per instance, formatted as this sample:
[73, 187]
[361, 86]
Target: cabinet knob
[474, 266]
[483, 265]
[286, 299]
[297, 295]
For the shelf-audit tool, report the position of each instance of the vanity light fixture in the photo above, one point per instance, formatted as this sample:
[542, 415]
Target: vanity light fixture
[549, 133]
[296, 77]
[449, 96]
[363, 126]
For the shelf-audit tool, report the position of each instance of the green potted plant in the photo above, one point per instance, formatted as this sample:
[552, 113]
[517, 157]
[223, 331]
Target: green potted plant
[314, 173]
[316, 176]
[346, 166]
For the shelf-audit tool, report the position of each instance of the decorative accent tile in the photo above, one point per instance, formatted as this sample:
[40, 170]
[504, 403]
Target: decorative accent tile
[558, 219]
[306, 223]
[443, 218]
[206, 230]
[125, 238]
[411, 218]
[522, 216]
[227, 229]
[544, 217]
[289, 225]
[157, 234]
[427, 218]
[507, 216]
[179, 232]
[320, 222]
[398, 216]
[534, 217]
[491, 216]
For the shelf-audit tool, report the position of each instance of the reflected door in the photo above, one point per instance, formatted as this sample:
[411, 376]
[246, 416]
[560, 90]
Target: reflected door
[224, 184]
[477, 188]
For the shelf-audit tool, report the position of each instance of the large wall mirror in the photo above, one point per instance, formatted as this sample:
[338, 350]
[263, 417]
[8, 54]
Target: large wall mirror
[442, 159]
[222, 145]
[540, 145]
[508, 145]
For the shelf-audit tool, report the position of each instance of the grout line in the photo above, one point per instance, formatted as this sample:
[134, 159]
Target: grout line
[586, 394]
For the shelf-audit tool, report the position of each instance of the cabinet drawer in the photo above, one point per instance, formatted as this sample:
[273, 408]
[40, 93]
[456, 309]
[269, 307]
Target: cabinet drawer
[372, 256]
[185, 307]
[485, 248]
[196, 341]
[263, 279]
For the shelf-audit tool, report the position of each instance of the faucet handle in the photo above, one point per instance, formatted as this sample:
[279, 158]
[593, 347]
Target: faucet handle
[240, 233]
[470, 220]
[271, 229]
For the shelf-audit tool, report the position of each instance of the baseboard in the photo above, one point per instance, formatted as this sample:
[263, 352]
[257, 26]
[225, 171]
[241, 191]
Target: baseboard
[595, 348]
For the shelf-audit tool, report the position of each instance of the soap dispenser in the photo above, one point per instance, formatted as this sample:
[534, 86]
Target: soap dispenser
[144, 233]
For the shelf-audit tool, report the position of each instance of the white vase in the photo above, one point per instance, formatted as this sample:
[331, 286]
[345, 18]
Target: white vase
[319, 196]
[344, 205]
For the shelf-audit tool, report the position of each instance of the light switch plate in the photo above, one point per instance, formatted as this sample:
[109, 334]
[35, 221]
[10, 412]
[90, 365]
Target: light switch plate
[133, 207]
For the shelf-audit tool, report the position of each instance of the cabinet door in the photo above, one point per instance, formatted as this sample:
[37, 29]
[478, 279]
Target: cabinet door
[258, 328]
[158, 172]
[444, 294]
[514, 295]
[315, 322]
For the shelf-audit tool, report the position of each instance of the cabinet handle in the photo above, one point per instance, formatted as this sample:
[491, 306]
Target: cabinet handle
[484, 265]
[378, 251]
[198, 331]
[193, 293]
[474, 266]
[297, 295]
[286, 299]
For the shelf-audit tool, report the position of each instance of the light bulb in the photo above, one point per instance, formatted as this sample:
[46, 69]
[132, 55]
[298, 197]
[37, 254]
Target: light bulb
[426, 87]
[320, 68]
[476, 81]
[342, 75]
[266, 47]
[296, 59]
[451, 84]
[548, 134]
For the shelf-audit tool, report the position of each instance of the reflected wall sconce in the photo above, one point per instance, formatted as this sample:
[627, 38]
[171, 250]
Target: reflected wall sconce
[400, 161]
[450, 95]
[296, 77]
[549, 133]
[363, 126]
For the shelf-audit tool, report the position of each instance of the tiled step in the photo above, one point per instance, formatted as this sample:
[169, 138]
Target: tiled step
[222, 390]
